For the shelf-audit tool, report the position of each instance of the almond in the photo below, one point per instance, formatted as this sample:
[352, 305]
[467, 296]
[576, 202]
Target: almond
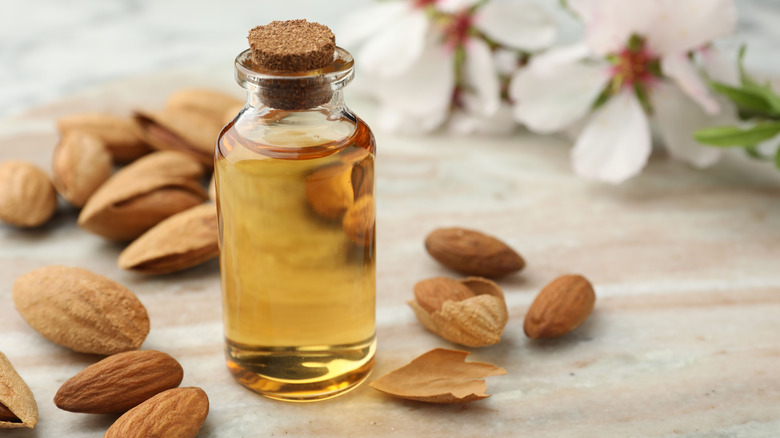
[359, 222]
[17, 404]
[27, 197]
[81, 310]
[560, 307]
[472, 252]
[117, 134]
[329, 190]
[211, 103]
[81, 163]
[119, 382]
[470, 312]
[175, 413]
[188, 132]
[182, 241]
[142, 194]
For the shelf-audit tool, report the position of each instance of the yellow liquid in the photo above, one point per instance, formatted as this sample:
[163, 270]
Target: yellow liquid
[298, 290]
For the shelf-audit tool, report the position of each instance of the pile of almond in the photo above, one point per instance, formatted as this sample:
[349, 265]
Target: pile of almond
[139, 180]
[130, 174]
[472, 312]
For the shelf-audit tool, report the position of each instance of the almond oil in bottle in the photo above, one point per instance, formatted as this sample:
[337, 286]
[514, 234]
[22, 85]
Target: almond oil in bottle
[295, 193]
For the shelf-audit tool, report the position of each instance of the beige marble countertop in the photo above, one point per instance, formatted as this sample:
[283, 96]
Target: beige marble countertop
[684, 340]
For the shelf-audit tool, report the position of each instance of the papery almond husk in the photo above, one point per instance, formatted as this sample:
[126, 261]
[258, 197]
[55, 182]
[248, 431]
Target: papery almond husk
[182, 241]
[119, 382]
[81, 310]
[27, 196]
[80, 164]
[175, 413]
[117, 133]
[439, 376]
[476, 321]
[142, 194]
[211, 103]
[17, 403]
[189, 132]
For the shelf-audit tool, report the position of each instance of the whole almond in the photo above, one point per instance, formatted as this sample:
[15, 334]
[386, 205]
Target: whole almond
[329, 190]
[119, 382]
[27, 197]
[81, 163]
[175, 413]
[17, 404]
[142, 194]
[359, 222]
[472, 252]
[189, 132]
[470, 312]
[182, 241]
[211, 103]
[117, 134]
[81, 310]
[560, 307]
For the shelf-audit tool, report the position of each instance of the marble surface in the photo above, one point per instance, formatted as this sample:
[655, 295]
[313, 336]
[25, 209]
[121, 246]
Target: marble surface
[683, 340]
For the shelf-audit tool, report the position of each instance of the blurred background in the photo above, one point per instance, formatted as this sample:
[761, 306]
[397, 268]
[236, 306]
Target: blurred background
[53, 48]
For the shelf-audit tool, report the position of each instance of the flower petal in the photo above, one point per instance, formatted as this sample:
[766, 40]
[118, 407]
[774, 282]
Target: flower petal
[483, 92]
[392, 120]
[395, 48]
[518, 24]
[678, 117]
[684, 25]
[615, 144]
[453, 6]
[610, 23]
[718, 66]
[548, 96]
[681, 69]
[464, 123]
[365, 22]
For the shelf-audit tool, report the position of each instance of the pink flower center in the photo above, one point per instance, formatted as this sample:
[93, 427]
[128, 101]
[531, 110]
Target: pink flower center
[634, 65]
[423, 3]
[457, 31]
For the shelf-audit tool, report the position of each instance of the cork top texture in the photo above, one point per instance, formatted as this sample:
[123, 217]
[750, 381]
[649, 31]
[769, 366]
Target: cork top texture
[292, 45]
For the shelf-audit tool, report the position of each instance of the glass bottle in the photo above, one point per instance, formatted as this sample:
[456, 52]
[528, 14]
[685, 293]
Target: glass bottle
[294, 176]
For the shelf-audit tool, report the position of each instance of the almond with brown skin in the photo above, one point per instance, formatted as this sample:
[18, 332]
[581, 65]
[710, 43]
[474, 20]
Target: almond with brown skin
[119, 382]
[175, 413]
[560, 307]
[81, 310]
[182, 241]
[17, 404]
[81, 163]
[470, 312]
[329, 190]
[27, 197]
[142, 194]
[359, 222]
[189, 132]
[117, 134]
[472, 252]
[211, 103]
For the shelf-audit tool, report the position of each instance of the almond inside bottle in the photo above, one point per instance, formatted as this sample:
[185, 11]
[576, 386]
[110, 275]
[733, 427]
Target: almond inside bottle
[298, 280]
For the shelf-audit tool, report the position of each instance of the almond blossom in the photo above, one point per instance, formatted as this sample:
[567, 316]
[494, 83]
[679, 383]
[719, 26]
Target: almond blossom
[428, 60]
[635, 66]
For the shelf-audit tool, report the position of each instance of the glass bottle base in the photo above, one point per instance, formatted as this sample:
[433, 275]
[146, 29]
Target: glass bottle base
[301, 374]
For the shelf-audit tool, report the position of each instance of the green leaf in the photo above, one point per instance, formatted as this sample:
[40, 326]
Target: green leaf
[751, 100]
[730, 136]
[745, 78]
[777, 158]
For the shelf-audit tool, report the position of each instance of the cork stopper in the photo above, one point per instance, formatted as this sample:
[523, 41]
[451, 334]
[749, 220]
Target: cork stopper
[293, 45]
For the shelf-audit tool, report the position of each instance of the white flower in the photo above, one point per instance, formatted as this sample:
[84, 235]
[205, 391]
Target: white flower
[634, 64]
[423, 58]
